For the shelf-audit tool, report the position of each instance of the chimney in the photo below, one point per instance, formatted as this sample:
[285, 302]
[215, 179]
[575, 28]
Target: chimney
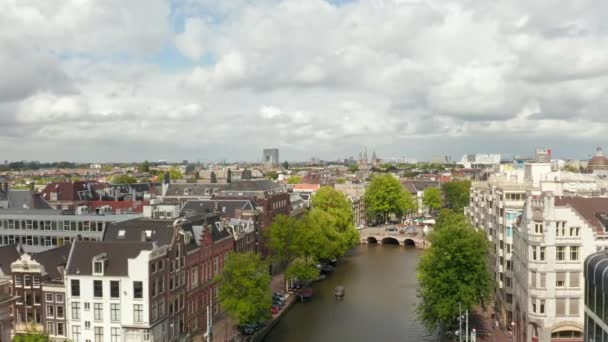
[229, 176]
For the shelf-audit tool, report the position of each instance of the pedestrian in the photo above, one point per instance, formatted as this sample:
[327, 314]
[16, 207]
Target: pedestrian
[496, 324]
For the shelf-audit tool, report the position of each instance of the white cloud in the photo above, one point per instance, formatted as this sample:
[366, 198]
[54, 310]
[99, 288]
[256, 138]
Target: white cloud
[301, 75]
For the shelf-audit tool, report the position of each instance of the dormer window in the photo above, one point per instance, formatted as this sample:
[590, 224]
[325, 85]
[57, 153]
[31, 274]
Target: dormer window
[98, 267]
[99, 263]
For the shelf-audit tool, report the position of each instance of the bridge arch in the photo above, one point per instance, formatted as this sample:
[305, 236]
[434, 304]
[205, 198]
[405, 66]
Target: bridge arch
[390, 241]
[371, 239]
[409, 242]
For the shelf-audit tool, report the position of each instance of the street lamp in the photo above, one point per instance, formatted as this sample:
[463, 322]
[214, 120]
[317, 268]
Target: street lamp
[513, 330]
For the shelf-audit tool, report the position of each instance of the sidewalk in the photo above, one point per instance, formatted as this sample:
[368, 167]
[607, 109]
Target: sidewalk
[482, 322]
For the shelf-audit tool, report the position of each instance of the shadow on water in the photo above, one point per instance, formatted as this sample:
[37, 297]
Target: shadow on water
[379, 303]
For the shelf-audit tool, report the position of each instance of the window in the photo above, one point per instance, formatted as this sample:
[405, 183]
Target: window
[49, 297]
[560, 253]
[97, 288]
[18, 281]
[36, 281]
[575, 279]
[98, 267]
[533, 252]
[50, 311]
[87, 306]
[575, 231]
[87, 325]
[138, 291]
[59, 311]
[75, 285]
[115, 312]
[574, 253]
[115, 335]
[76, 333]
[568, 334]
[75, 310]
[98, 311]
[59, 298]
[533, 304]
[541, 307]
[60, 329]
[560, 307]
[538, 228]
[542, 254]
[114, 289]
[98, 334]
[573, 309]
[50, 328]
[560, 279]
[27, 280]
[138, 313]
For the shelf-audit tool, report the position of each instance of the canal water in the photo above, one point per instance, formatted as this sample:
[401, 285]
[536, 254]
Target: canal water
[379, 304]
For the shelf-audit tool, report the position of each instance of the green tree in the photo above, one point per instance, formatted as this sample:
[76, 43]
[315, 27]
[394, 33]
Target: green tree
[316, 237]
[273, 175]
[353, 168]
[453, 270]
[457, 194]
[432, 198]
[384, 196]
[144, 167]
[340, 181]
[302, 270]
[286, 165]
[294, 180]
[123, 179]
[337, 205]
[571, 168]
[245, 292]
[280, 238]
[32, 334]
[175, 174]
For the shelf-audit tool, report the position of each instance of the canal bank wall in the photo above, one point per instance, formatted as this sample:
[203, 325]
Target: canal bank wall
[259, 336]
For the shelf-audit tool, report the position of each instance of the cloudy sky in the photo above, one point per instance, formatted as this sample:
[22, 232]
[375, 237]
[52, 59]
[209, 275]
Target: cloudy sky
[208, 80]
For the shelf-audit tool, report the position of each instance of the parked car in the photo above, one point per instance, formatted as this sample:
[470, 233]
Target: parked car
[390, 229]
[275, 310]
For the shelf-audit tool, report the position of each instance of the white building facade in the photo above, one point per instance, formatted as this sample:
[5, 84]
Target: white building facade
[551, 242]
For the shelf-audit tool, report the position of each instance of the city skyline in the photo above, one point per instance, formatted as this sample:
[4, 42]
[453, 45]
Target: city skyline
[196, 78]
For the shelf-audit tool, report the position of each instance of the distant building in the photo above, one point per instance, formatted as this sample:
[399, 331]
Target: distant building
[599, 163]
[271, 156]
[543, 155]
[417, 188]
[480, 161]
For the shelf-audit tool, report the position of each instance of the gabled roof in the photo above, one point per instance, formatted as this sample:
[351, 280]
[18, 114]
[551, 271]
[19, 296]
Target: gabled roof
[8, 255]
[52, 259]
[69, 191]
[194, 189]
[26, 199]
[414, 186]
[224, 206]
[253, 185]
[590, 208]
[117, 252]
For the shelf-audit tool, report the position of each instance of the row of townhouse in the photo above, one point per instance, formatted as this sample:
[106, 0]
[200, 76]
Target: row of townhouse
[149, 279]
[537, 250]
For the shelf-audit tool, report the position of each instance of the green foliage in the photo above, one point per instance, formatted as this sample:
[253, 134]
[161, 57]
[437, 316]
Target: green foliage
[280, 237]
[453, 270]
[353, 168]
[445, 216]
[294, 180]
[107, 168]
[31, 335]
[286, 165]
[302, 270]
[457, 194]
[385, 195]
[245, 292]
[273, 175]
[175, 174]
[432, 198]
[123, 179]
[571, 168]
[144, 167]
[340, 180]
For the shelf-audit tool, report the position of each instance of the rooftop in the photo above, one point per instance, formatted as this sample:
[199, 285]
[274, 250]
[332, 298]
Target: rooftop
[117, 252]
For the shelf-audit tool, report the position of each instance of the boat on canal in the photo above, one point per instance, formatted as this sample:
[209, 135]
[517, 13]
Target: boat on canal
[339, 292]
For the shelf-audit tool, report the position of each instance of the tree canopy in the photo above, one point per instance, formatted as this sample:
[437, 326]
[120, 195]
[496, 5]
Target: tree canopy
[457, 194]
[31, 335]
[384, 196]
[432, 198]
[286, 165]
[144, 167]
[281, 236]
[340, 208]
[294, 180]
[453, 270]
[353, 168]
[123, 179]
[273, 175]
[245, 292]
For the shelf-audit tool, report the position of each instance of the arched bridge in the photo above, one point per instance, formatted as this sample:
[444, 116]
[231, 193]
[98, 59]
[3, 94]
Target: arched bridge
[382, 236]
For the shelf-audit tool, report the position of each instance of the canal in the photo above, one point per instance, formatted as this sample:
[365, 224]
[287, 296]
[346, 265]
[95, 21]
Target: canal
[379, 304]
